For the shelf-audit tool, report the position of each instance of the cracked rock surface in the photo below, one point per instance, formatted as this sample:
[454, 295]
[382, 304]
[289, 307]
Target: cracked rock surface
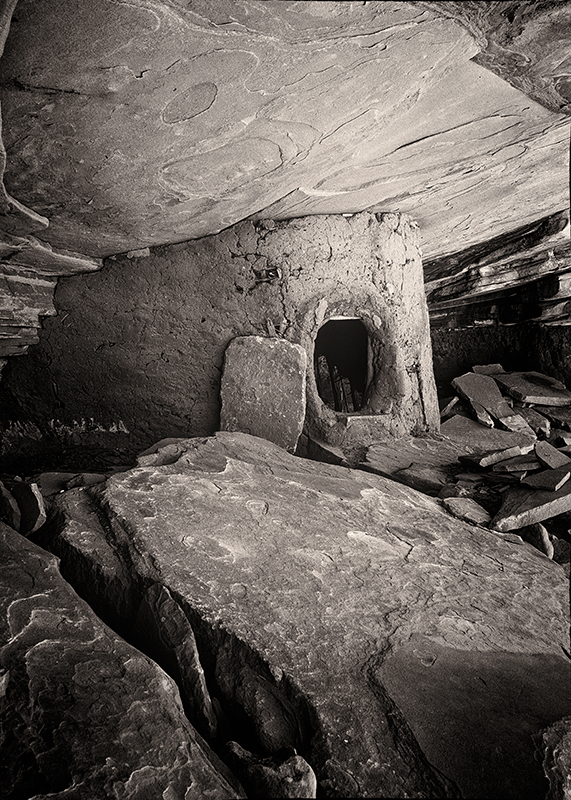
[84, 714]
[313, 589]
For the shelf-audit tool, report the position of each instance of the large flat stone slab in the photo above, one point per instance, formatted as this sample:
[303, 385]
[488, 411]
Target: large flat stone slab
[534, 387]
[483, 700]
[84, 714]
[522, 506]
[263, 389]
[476, 438]
[301, 581]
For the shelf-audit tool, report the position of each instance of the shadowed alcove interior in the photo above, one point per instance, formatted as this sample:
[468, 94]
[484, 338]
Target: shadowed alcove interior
[350, 288]
[341, 362]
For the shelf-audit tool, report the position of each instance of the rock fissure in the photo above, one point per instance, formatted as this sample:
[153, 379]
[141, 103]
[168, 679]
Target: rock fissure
[236, 693]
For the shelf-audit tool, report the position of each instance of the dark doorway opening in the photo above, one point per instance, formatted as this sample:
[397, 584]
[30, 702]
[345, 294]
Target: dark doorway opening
[340, 363]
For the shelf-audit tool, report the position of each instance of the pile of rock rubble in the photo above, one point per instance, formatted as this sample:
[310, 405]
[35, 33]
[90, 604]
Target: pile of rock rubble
[522, 485]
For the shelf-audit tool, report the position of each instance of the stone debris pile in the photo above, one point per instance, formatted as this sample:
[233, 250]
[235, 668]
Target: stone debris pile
[521, 482]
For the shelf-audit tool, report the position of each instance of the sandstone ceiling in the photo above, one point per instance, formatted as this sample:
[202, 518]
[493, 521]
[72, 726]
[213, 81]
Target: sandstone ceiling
[140, 123]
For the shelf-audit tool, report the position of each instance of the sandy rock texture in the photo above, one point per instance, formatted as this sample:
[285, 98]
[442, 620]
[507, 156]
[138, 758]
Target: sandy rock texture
[84, 714]
[314, 590]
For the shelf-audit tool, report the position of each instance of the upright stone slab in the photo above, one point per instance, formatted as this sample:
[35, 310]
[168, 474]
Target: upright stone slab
[482, 389]
[263, 389]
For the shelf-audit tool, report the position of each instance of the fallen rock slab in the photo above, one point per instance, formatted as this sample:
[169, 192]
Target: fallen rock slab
[561, 417]
[84, 714]
[488, 369]
[428, 464]
[467, 509]
[477, 438]
[490, 458]
[522, 463]
[534, 387]
[301, 580]
[448, 407]
[393, 456]
[516, 423]
[429, 480]
[549, 480]
[482, 390]
[550, 456]
[539, 423]
[481, 414]
[523, 507]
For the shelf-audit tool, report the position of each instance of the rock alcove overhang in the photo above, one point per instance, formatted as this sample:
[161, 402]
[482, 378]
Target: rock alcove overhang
[127, 126]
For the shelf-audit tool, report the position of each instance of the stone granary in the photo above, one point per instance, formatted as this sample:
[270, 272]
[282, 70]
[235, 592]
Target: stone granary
[277, 517]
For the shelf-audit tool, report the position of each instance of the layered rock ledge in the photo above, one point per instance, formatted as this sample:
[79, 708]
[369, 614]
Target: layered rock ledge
[335, 612]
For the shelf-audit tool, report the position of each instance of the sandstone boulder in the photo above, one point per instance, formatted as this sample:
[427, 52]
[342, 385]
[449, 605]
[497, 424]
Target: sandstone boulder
[346, 616]
[84, 714]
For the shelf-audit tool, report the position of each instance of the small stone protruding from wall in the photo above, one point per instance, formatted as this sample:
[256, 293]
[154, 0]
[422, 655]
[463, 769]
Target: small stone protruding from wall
[263, 389]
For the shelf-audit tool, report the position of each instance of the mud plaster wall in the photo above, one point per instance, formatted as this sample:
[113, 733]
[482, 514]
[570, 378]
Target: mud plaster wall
[135, 351]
